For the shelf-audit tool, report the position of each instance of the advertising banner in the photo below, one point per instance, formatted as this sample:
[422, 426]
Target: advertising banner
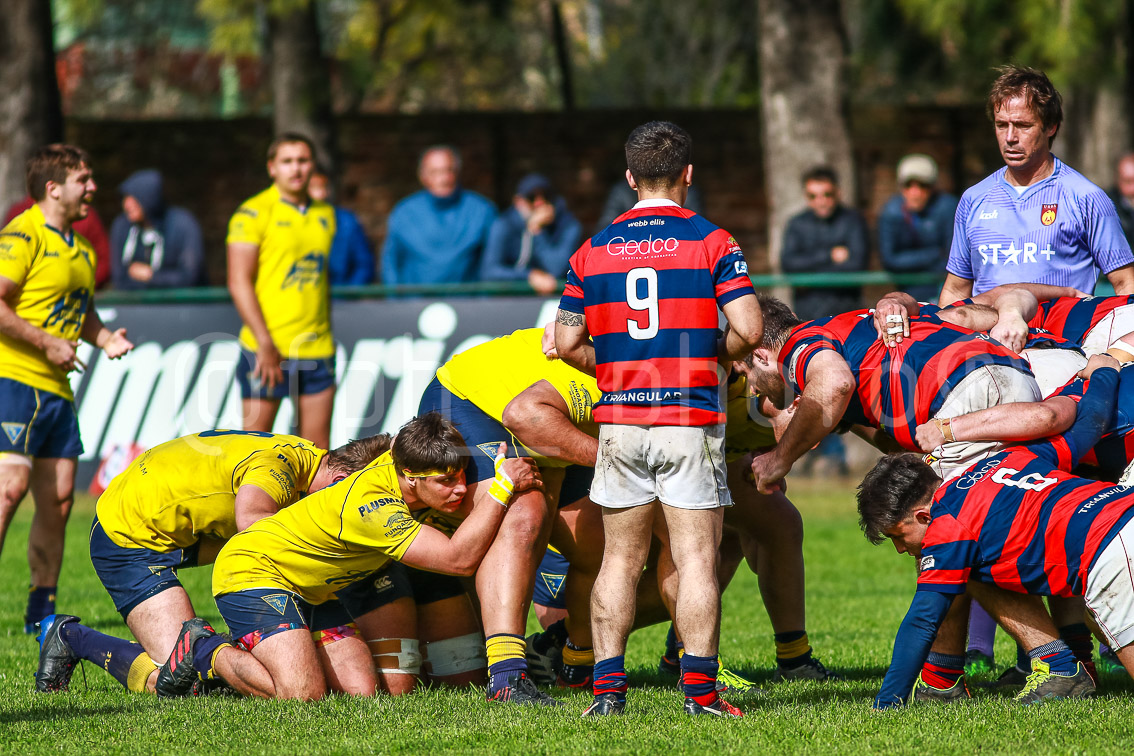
[180, 378]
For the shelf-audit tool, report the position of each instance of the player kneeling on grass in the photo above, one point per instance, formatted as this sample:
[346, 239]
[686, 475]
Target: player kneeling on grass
[1020, 521]
[267, 575]
[173, 508]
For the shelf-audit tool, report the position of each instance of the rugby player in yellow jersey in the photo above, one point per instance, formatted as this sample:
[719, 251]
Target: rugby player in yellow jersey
[278, 245]
[46, 306]
[269, 577]
[174, 507]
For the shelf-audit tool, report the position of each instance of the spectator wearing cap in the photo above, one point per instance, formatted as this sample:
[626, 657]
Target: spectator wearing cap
[437, 235]
[533, 239]
[351, 262]
[154, 245]
[915, 228]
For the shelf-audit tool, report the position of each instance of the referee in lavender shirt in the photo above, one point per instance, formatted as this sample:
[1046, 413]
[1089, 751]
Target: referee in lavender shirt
[1037, 220]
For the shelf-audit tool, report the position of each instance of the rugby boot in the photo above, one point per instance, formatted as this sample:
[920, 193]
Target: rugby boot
[978, 663]
[812, 669]
[605, 705]
[56, 659]
[719, 708]
[544, 657]
[669, 666]
[1044, 685]
[521, 690]
[576, 676]
[1013, 677]
[923, 691]
[730, 682]
[176, 677]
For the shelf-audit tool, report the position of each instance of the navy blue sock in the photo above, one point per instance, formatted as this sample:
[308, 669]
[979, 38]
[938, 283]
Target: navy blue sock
[672, 644]
[699, 677]
[1058, 656]
[203, 652]
[1023, 659]
[115, 655]
[1078, 638]
[41, 603]
[610, 676]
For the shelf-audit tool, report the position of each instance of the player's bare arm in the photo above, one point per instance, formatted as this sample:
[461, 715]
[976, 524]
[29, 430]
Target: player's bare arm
[113, 343]
[1016, 421]
[892, 317]
[243, 265]
[1042, 292]
[745, 329]
[59, 352]
[955, 288]
[878, 438]
[541, 420]
[829, 386]
[572, 341]
[1122, 279]
[252, 504]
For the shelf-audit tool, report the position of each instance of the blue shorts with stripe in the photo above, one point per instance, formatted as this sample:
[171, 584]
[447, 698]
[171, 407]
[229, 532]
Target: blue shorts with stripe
[482, 434]
[132, 575]
[550, 578]
[300, 377]
[255, 614]
[37, 423]
[395, 581]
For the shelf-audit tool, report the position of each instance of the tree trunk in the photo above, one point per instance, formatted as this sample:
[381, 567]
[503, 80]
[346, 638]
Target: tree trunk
[30, 113]
[803, 51]
[301, 82]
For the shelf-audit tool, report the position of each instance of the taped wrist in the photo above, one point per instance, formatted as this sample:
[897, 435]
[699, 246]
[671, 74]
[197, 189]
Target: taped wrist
[502, 486]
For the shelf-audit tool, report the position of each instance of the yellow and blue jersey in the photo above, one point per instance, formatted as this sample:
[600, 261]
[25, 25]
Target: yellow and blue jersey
[743, 433]
[329, 540]
[55, 279]
[184, 489]
[292, 286]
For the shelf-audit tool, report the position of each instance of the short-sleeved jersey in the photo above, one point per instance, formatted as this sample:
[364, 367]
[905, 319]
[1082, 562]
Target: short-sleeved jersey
[745, 430]
[1073, 318]
[54, 275]
[1021, 521]
[896, 388]
[179, 491]
[1115, 450]
[649, 286]
[1059, 231]
[291, 282]
[331, 539]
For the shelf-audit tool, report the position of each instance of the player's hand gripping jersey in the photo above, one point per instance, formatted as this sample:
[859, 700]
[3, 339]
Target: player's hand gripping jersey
[649, 286]
[55, 276]
[184, 489]
[291, 282]
[896, 388]
[329, 540]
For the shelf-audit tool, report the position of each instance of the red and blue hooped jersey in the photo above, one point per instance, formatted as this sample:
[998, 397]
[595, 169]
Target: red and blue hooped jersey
[1073, 318]
[649, 286]
[1019, 520]
[899, 387]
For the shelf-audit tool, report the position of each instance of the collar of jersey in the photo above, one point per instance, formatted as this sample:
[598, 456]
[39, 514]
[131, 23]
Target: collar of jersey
[289, 203]
[1056, 169]
[70, 242]
[659, 202]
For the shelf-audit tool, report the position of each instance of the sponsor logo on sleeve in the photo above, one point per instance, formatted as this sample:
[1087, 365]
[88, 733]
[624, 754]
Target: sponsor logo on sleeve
[398, 524]
[927, 563]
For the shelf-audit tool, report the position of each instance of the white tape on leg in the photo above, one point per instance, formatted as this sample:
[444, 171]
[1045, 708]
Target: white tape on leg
[396, 656]
[453, 656]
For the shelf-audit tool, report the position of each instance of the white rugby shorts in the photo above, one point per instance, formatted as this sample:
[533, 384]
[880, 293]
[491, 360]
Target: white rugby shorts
[1114, 325]
[1109, 592]
[1054, 368]
[983, 388]
[683, 466]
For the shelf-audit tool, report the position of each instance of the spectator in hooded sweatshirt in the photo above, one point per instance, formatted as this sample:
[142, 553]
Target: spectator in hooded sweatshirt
[154, 245]
[352, 259]
[436, 235]
[533, 239]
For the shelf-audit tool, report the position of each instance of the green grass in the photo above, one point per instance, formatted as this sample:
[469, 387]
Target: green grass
[857, 596]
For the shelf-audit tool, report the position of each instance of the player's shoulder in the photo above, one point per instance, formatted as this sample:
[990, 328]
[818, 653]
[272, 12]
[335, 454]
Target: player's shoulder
[28, 226]
[987, 185]
[257, 207]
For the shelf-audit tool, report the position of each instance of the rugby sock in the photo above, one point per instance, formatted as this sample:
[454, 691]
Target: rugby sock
[506, 656]
[1057, 656]
[610, 677]
[41, 603]
[942, 671]
[673, 646]
[126, 661]
[1023, 659]
[205, 651]
[699, 678]
[1078, 638]
[792, 649]
[982, 631]
[578, 665]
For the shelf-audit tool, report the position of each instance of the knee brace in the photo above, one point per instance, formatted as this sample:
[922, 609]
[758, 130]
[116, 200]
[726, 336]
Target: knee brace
[453, 656]
[396, 656]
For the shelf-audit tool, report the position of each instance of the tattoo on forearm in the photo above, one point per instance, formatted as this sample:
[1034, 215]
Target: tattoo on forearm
[569, 318]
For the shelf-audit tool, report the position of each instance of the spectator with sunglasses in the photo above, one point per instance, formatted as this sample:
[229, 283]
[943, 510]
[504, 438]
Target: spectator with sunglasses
[828, 237]
[533, 239]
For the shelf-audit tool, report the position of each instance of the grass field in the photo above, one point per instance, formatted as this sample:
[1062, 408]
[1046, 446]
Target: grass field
[857, 597]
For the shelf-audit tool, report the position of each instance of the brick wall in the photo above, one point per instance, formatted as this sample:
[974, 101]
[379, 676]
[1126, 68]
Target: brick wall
[211, 166]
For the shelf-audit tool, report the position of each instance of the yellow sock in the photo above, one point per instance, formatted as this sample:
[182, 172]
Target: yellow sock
[504, 647]
[790, 649]
[578, 657]
[140, 671]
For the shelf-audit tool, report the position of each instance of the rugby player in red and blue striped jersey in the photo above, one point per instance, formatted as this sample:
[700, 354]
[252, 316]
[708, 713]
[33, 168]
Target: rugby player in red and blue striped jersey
[1021, 522]
[843, 373]
[647, 290]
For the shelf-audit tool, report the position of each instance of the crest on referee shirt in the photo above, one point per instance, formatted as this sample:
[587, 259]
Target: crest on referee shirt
[1047, 214]
[13, 430]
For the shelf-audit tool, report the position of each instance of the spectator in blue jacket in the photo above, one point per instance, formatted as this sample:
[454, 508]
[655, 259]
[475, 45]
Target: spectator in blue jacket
[437, 235]
[915, 228]
[533, 239]
[154, 245]
[352, 258]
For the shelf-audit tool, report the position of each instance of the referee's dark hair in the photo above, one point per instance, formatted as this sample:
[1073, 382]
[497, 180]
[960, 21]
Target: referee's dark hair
[1038, 92]
[891, 490]
[657, 154]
